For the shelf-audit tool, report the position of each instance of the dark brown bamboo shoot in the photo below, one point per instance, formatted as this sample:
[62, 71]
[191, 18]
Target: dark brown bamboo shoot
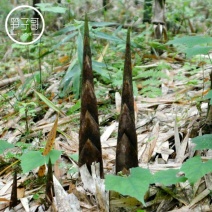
[126, 152]
[49, 186]
[89, 134]
[36, 15]
[14, 195]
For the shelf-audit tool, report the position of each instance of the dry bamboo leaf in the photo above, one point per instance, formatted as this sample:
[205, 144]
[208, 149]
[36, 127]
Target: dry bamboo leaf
[13, 79]
[109, 130]
[57, 170]
[25, 203]
[103, 53]
[21, 74]
[118, 102]
[4, 200]
[51, 138]
[198, 198]
[95, 185]
[49, 145]
[42, 170]
[147, 154]
[65, 202]
[155, 133]
[176, 137]
[5, 188]
[180, 157]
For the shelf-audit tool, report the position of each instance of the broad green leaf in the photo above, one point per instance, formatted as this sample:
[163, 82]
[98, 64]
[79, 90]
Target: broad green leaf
[73, 74]
[168, 177]
[53, 9]
[34, 159]
[26, 37]
[64, 40]
[80, 49]
[74, 108]
[68, 29]
[70, 72]
[196, 50]
[75, 156]
[191, 41]
[136, 185]
[106, 36]
[209, 96]
[31, 160]
[100, 68]
[54, 155]
[203, 142]
[102, 24]
[76, 84]
[194, 168]
[49, 103]
[44, 5]
[4, 145]
[157, 45]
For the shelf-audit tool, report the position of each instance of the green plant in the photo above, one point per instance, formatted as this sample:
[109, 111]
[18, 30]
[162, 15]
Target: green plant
[73, 73]
[27, 110]
[30, 159]
[193, 45]
[137, 184]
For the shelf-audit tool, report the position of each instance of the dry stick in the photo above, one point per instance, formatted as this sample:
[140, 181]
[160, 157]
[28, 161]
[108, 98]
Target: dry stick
[13, 79]
[89, 134]
[127, 152]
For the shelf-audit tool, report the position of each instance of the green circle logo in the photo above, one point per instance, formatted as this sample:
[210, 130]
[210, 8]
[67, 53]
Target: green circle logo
[21, 27]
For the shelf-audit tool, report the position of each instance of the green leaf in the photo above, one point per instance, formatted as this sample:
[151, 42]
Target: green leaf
[100, 68]
[196, 50]
[74, 108]
[31, 160]
[47, 7]
[106, 37]
[136, 185]
[193, 45]
[203, 142]
[194, 168]
[70, 72]
[68, 29]
[191, 41]
[80, 49]
[76, 84]
[34, 159]
[54, 155]
[5, 145]
[49, 103]
[157, 45]
[168, 177]
[103, 24]
[75, 157]
[73, 73]
[64, 40]
[209, 96]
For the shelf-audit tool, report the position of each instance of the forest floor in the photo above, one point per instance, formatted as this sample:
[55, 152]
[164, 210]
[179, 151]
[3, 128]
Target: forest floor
[165, 125]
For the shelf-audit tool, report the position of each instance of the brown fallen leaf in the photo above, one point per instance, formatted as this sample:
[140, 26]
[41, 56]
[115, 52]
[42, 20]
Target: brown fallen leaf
[49, 145]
